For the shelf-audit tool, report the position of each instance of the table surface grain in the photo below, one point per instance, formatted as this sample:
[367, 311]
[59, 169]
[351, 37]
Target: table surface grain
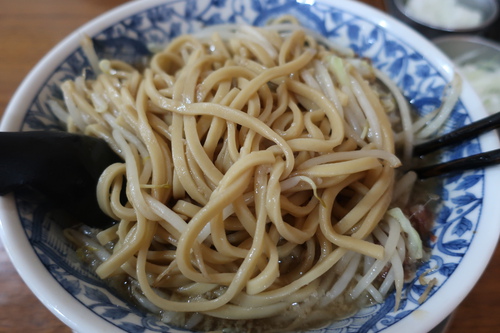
[28, 30]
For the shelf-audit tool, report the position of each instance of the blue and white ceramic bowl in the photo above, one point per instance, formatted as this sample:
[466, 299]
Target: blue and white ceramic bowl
[466, 229]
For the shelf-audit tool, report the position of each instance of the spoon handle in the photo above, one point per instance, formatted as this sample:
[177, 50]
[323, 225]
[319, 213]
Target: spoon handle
[59, 167]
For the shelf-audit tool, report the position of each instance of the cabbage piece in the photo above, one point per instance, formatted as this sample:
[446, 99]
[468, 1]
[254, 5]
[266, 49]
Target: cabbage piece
[415, 247]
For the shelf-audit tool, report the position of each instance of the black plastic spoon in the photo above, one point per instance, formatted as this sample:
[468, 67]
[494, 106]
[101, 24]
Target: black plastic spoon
[57, 168]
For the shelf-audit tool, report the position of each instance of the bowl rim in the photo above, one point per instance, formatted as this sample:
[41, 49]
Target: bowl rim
[61, 303]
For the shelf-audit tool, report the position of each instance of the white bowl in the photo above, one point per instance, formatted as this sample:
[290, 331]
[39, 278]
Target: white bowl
[466, 231]
[479, 60]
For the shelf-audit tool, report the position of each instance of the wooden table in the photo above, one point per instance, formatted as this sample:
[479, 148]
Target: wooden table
[30, 28]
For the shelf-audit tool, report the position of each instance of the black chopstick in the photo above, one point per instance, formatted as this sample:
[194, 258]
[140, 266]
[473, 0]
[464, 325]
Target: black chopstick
[481, 160]
[466, 132]
[462, 164]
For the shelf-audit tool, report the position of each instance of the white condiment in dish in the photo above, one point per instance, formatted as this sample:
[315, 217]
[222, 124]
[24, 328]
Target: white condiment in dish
[484, 76]
[447, 14]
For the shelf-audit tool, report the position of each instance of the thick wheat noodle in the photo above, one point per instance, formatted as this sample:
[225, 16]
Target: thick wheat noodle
[239, 159]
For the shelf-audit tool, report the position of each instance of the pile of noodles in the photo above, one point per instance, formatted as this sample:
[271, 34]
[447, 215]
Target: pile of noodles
[259, 166]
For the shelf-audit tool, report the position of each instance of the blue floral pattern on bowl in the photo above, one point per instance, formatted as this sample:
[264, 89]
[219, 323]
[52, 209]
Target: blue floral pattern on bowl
[129, 39]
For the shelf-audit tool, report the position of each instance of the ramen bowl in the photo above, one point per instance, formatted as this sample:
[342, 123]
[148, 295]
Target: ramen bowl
[464, 235]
